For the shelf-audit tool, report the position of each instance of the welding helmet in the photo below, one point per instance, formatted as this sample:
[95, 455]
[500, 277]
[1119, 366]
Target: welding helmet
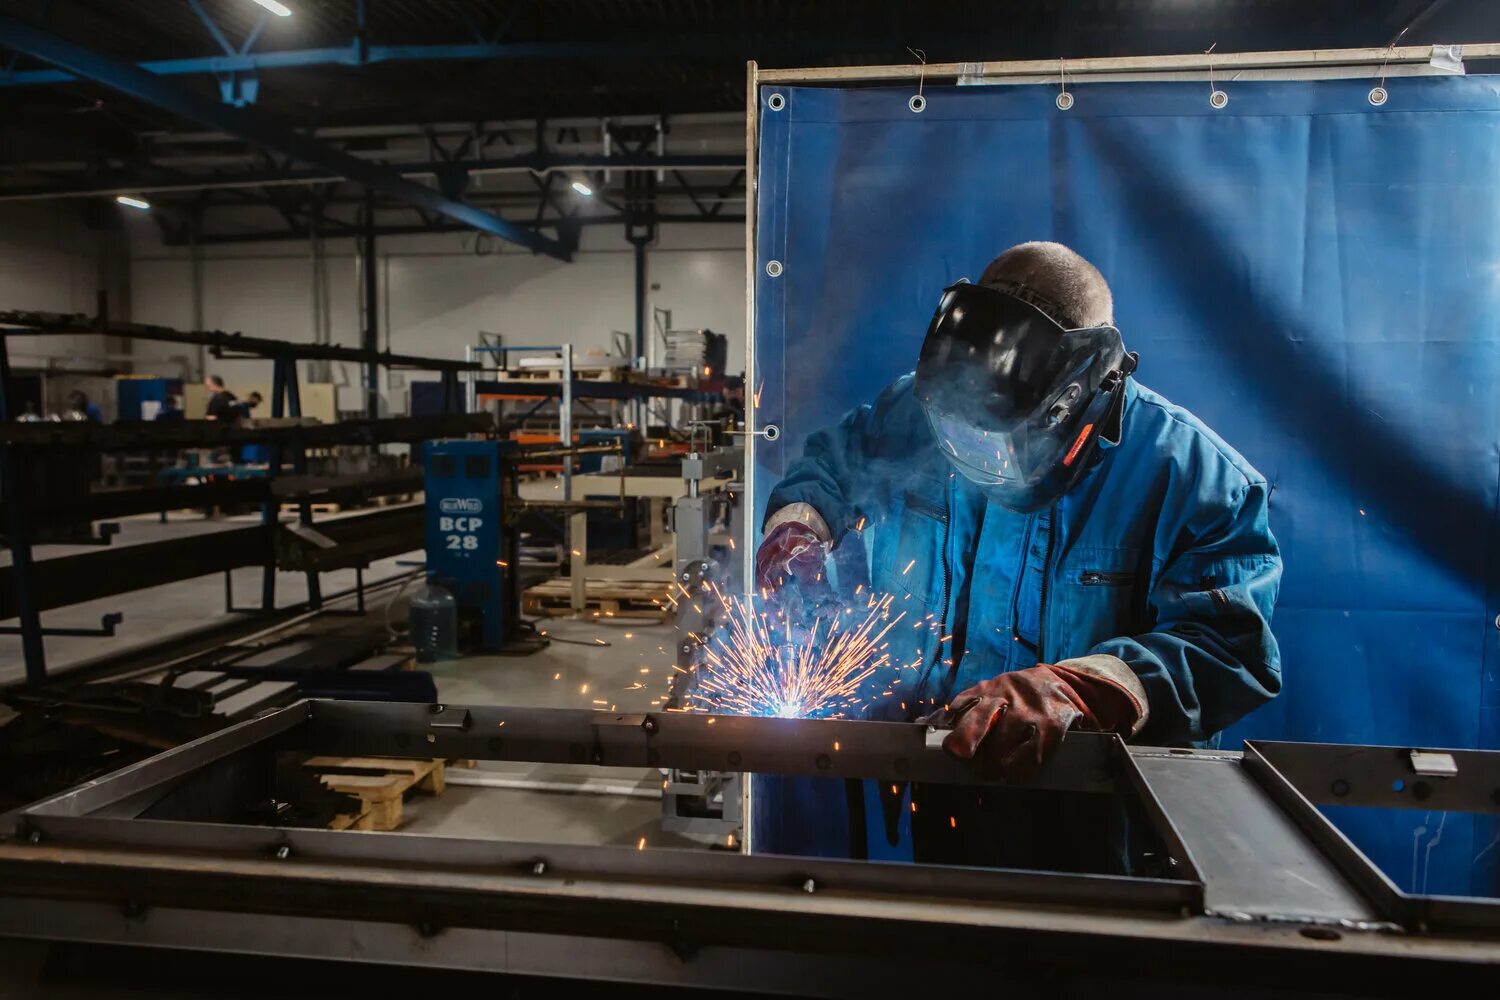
[1017, 401]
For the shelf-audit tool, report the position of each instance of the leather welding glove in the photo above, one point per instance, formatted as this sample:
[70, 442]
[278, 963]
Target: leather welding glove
[1008, 724]
[795, 547]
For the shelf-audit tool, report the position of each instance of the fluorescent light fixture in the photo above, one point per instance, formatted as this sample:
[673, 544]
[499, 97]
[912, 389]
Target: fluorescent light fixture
[140, 203]
[582, 188]
[279, 9]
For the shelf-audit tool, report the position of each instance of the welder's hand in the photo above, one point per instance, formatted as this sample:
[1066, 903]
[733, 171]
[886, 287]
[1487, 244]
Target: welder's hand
[1008, 724]
[791, 550]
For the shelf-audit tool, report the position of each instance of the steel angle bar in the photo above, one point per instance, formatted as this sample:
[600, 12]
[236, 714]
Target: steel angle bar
[1085, 762]
[448, 859]
[1339, 849]
[1179, 857]
[1223, 62]
[1325, 767]
[164, 767]
[1389, 777]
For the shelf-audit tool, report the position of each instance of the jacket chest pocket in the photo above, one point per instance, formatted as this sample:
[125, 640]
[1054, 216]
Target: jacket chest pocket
[1102, 593]
[914, 562]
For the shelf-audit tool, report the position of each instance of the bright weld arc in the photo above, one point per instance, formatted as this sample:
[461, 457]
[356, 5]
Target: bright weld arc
[750, 670]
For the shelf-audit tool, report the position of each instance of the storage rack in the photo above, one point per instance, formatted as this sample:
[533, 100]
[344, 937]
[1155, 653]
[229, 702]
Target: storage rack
[29, 587]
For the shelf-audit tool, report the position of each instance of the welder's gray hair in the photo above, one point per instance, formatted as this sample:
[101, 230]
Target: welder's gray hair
[1056, 280]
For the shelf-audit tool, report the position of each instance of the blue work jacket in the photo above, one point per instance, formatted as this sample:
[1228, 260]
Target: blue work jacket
[1161, 556]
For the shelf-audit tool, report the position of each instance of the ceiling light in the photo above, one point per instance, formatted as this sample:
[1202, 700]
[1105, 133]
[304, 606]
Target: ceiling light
[582, 188]
[140, 203]
[279, 9]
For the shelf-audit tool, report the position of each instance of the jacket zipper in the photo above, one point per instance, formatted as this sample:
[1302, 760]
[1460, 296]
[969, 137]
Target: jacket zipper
[1041, 613]
[921, 503]
[1096, 578]
[943, 514]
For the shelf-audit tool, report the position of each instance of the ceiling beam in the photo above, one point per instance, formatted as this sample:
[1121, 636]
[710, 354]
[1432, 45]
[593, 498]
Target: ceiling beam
[398, 229]
[355, 55]
[150, 89]
[538, 163]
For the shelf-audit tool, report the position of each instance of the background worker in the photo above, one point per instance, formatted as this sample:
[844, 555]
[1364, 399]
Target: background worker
[243, 409]
[220, 399]
[250, 454]
[79, 407]
[1093, 555]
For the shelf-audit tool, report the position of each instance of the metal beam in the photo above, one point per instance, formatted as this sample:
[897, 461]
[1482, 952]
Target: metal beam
[147, 87]
[356, 54]
[301, 233]
[538, 163]
[26, 323]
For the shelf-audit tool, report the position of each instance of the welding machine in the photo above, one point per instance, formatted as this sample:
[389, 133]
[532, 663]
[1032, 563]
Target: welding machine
[466, 541]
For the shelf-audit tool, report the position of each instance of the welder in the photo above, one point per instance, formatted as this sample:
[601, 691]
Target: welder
[1094, 556]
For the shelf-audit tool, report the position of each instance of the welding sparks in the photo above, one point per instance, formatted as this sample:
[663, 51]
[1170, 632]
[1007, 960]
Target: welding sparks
[758, 666]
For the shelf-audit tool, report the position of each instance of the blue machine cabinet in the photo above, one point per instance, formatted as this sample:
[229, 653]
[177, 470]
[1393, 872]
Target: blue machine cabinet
[464, 536]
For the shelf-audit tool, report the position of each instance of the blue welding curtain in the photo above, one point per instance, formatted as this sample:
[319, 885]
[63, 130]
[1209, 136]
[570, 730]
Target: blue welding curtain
[1316, 278]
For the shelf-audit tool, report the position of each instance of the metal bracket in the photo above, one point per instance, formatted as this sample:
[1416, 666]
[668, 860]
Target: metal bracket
[107, 623]
[1434, 764]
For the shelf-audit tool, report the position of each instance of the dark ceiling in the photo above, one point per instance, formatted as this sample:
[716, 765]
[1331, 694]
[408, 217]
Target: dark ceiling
[550, 59]
[674, 56]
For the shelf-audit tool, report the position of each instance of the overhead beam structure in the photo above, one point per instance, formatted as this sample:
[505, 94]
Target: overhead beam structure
[148, 87]
[535, 162]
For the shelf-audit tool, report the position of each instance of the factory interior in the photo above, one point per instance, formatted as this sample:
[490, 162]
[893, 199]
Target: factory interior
[805, 499]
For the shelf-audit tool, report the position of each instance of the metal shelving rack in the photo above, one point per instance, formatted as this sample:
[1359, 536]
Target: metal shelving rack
[286, 442]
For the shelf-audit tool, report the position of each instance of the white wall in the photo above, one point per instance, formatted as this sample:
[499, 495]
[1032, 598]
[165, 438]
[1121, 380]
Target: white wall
[436, 294]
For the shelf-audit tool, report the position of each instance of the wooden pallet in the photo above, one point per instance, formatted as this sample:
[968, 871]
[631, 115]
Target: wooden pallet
[317, 508]
[381, 783]
[392, 499]
[646, 599]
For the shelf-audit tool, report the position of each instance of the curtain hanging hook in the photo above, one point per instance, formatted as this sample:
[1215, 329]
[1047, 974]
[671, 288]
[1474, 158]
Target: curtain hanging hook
[1064, 99]
[918, 103]
[1216, 98]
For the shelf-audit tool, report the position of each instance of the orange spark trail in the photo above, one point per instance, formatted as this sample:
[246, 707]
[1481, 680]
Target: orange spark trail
[755, 665]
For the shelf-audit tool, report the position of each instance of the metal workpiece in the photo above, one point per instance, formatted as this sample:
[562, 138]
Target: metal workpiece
[1255, 864]
[1331, 774]
[147, 855]
[1302, 776]
[1084, 762]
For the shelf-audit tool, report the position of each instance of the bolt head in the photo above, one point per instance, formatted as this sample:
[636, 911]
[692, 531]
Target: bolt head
[809, 886]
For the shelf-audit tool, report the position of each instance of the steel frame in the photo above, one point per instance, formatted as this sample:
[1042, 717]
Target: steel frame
[1302, 776]
[97, 871]
[151, 88]
[17, 440]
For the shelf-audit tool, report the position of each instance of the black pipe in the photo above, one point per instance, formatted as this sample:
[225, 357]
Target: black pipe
[370, 341]
[18, 537]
